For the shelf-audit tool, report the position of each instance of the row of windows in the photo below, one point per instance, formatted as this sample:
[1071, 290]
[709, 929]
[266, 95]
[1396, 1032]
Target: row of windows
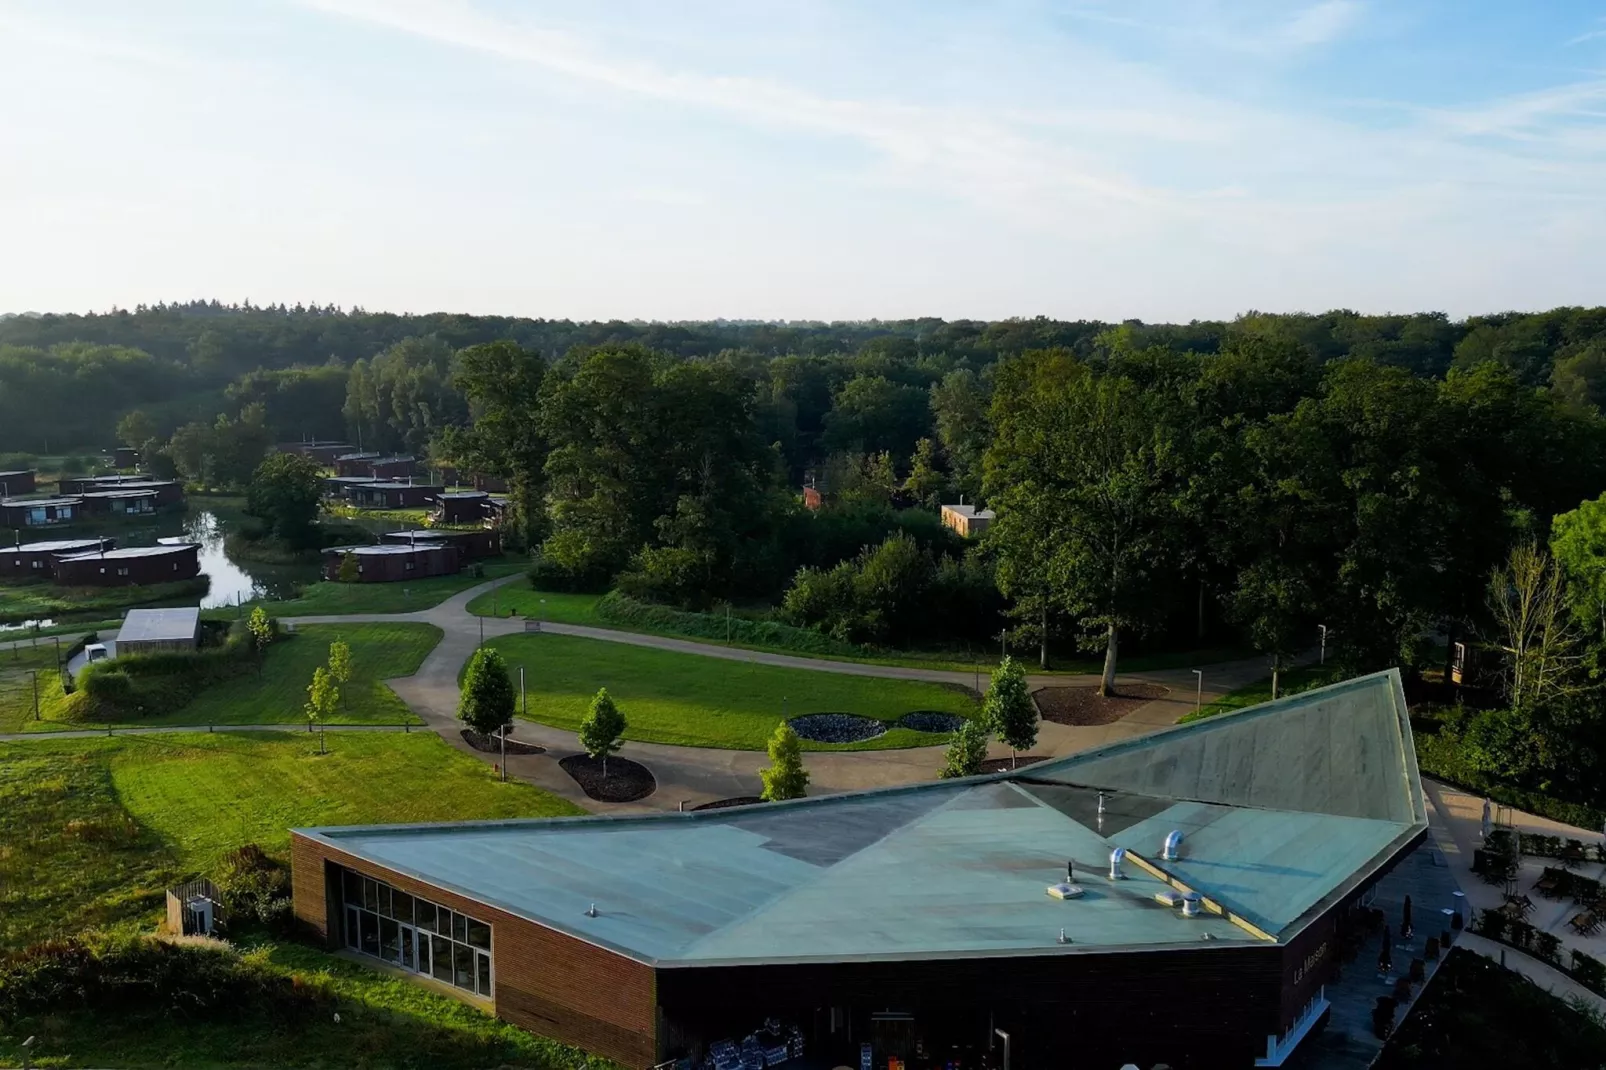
[415, 934]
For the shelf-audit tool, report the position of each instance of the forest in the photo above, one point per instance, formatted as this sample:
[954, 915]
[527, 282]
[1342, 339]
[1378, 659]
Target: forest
[1157, 486]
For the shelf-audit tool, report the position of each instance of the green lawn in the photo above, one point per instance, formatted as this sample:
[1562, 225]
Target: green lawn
[328, 598]
[17, 669]
[73, 629]
[1289, 682]
[699, 701]
[379, 652]
[43, 601]
[519, 600]
[92, 831]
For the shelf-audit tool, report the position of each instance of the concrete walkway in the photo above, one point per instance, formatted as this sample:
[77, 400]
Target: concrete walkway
[693, 775]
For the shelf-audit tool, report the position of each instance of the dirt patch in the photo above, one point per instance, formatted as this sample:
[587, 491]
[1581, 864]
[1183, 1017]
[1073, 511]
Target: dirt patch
[725, 804]
[493, 744]
[1003, 765]
[627, 781]
[1084, 706]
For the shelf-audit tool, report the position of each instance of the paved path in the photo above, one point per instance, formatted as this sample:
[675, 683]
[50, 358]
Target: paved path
[693, 775]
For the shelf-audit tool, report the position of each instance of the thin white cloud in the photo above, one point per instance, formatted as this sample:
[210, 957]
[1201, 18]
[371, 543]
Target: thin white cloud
[1592, 35]
[1320, 23]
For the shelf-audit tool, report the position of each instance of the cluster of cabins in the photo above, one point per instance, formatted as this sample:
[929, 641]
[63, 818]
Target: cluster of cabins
[97, 562]
[411, 555]
[83, 498]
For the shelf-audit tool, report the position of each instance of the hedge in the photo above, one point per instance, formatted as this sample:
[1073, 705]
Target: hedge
[1440, 757]
[616, 608]
[1587, 970]
[141, 684]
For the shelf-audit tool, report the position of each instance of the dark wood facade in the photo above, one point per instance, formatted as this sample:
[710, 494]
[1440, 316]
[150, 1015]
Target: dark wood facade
[460, 507]
[546, 981]
[131, 568]
[13, 484]
[390, 564]
[38, 560]
[125, 457]
[355, 464]
[39, 512]
[393, 467]
[471, 545]
[392, 495]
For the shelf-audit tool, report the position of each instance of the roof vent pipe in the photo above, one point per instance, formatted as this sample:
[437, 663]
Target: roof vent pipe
[1173, 840]
[591, 911]
[1101, 803]
[1116, 857]
[1190, 904]
[1063, 938]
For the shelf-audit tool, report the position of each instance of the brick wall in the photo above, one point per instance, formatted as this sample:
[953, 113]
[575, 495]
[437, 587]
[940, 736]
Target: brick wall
[547, 982]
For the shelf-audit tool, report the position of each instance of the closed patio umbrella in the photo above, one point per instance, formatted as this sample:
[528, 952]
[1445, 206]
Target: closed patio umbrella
[1405, 920]
[1385, 956]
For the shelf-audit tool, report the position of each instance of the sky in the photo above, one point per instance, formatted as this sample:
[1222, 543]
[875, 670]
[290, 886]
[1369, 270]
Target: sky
[805, 159]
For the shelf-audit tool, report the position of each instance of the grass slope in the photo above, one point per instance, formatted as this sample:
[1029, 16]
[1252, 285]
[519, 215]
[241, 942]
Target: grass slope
[1290, 682]
[326, 598]
[92, 832]
[709, 702]
[43, 601]
[379, 652]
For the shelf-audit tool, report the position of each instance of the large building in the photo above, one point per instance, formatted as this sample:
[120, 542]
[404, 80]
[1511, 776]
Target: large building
[37, 560]
[130, 567]
[1178, 898]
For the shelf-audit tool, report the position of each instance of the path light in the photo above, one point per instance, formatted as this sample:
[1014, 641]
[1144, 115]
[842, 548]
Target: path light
[1198, 698]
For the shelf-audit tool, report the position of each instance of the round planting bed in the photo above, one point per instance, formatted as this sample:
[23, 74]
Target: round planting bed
[837, 727]
[1085, 706]
[932, 721]
[627, 781]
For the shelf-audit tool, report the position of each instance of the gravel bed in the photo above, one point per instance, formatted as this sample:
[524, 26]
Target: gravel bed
[932, 721]
[493, 744]
[1085, 706]
[627, 781]
[1003, 765]
[837, 727]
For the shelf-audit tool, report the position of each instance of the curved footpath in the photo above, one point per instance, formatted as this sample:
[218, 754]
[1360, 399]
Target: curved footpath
[695, 775]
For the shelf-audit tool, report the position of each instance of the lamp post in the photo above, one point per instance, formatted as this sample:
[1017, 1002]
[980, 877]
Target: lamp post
[1323, 659]
[1198, 695]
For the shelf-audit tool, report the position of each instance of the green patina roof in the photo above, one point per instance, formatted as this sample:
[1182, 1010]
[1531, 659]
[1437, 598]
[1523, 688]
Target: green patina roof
[962, 868]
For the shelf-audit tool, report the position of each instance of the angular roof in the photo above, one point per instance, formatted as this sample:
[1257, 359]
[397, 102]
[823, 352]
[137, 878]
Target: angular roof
[962, 868]
[154, 625]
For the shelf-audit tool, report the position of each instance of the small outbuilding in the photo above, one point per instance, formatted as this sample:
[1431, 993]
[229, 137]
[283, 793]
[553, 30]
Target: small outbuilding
[17, 483]
[135, 566]
[460, 507]
[319, 451]
[394, 495]
[472, 544]
[39, 512]
[967, 520]
[390, 563]
[159, 631]
[37, 560]
[358, 463]
[119, 502]
[125, 457]
[398, 467]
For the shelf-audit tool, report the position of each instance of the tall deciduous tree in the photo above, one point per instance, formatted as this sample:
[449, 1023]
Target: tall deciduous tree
[785, 778]
[602, 729]
[284, 494]
[1527, 597]
[502, 383]
[1078, 474]
[487, 700]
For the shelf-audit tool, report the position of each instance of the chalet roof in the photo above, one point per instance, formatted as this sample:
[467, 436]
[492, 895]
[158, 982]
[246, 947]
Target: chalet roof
[156, 625]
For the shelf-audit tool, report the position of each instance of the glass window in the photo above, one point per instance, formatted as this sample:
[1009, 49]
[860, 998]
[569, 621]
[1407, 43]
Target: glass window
[351, 927]
[463, 966]
[479, 934]
[402, 903]
[460, 928]
[441, 950]
[370, 894]
[351, 887]
[370, 932]
[424, 914]
[484, 963]
[423, 952]
[384, 901]
[389, 940]
[443, 921]
[407, 959]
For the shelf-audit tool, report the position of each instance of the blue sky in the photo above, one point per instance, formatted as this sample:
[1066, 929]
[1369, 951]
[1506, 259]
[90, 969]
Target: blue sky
[803, 159]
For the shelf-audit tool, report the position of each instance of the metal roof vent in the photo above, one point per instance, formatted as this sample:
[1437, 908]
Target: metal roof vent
[1116, 857]
[1168, 898]
[591, 911]
[1173, 840]
[1063, 938]
[1066, 890]
[1190, 904]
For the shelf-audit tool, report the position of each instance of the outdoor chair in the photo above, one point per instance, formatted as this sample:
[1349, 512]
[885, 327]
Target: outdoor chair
[1550, 883]
[1585, 923]
[1521, 904]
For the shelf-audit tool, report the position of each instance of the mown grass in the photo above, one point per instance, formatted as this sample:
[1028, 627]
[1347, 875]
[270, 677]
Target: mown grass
[93, 831]
[330, 598]
[44, 601]
[18, 667]
[1289, 682]
[521, 600]
[72, 628]
[278, 695]
[698, 701]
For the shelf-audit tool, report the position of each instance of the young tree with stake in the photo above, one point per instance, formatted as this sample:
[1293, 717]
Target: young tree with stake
[261, 628]
[1008, 708]
[323, 695]
[340, 665]
[602, 729]
[488, 699]
[785, 778]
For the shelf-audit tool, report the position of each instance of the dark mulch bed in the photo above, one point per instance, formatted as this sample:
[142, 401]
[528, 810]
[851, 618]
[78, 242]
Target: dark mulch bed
[723, 804]
[931, 721]
[1084, 706]
[493, 744]
[837, 727]
[1002, 765]
[627, 780]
